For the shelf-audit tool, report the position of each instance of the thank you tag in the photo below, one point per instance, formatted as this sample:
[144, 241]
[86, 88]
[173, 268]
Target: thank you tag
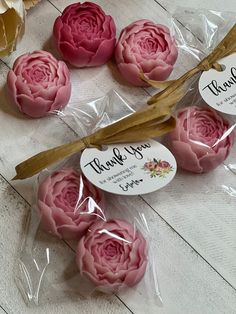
[218, 89]
[129, 169]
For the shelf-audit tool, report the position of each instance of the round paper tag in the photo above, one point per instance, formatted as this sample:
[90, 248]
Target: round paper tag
[129, 169]
[218, 89]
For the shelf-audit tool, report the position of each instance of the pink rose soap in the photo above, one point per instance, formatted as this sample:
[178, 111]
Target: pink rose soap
[68, 204]
[201, 140]
[145, 47]
[112, 255]
[38, 83]
[84, 35]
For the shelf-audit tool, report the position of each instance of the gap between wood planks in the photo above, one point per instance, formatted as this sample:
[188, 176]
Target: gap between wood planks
[3, 309]
[173, 229]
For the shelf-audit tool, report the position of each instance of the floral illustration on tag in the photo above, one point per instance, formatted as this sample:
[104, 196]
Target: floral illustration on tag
[157, 168]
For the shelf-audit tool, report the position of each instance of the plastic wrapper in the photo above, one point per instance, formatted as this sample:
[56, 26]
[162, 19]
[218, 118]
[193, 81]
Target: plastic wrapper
[80, 239]
[204, 137]
[197, 33]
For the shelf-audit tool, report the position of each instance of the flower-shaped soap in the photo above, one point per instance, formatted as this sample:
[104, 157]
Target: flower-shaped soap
[112, 255]
[84, 35]
[68, 204]
[145, 47]
[201, 140]
[38, 83]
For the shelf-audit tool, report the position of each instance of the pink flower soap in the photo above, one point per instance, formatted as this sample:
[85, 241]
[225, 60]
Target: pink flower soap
[38, 83]
[84, 35]
[68, 204]
[112, 255]
[201, 140]
[147, 47]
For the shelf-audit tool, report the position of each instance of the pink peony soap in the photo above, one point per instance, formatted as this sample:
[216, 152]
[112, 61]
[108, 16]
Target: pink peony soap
[84, 35]
[112, 255]
[147, 47]
[201, 140]
[68, 204]
[38, 83]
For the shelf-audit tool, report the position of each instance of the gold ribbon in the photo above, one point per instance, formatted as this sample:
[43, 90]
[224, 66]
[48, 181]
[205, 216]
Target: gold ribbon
[150, 122]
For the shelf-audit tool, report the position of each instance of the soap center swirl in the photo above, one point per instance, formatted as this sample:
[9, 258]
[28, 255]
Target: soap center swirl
[37, 74]
[111, 250]
[149, 44]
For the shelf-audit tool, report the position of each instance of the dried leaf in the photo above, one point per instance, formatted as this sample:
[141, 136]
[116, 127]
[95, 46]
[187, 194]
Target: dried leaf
[30, 3]
[11, 25]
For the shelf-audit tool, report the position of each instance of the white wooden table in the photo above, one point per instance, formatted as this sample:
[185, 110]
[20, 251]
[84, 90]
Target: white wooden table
[195, 233]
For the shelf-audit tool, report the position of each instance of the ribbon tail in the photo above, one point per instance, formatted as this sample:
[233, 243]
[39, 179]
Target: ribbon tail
[36, 163]
[156, 84]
